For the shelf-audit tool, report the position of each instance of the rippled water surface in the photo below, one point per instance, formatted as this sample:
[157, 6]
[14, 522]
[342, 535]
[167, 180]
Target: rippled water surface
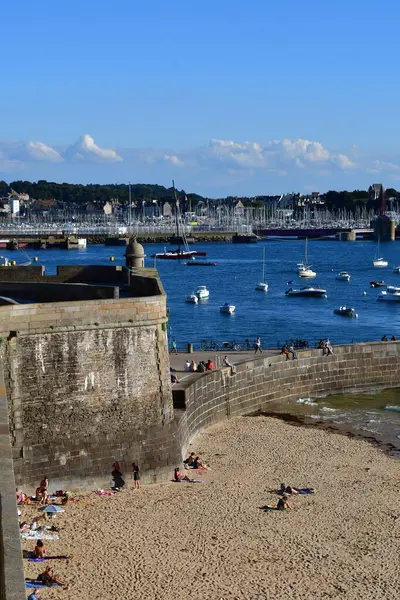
[272, 315]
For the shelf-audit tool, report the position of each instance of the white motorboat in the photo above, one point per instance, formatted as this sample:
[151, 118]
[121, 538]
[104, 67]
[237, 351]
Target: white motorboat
[396, 269]
[191, 298]
[391, 294]
[343, 276]
[262, 285]
[202, 292]
[227, 308]
[308, 291]
[304, 270]
[379, 261]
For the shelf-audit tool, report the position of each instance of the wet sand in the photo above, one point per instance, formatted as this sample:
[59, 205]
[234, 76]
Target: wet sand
[211, 541]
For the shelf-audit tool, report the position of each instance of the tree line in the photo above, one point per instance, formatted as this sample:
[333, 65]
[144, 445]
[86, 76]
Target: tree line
[78, 194]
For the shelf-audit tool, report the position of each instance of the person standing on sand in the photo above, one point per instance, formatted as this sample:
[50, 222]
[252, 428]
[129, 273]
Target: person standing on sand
[136, 476]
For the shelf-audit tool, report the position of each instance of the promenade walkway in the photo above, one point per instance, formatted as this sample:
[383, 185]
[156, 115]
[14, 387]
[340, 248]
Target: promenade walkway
[177, 362]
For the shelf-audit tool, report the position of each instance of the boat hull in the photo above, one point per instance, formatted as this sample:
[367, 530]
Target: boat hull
[308, 293]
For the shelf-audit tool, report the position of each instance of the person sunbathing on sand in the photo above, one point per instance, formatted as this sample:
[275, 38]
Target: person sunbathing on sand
[190, 459]
[287, 489]
[178, 476]
[48, 577]
[198, 463]
[283, 503]
[40, 550]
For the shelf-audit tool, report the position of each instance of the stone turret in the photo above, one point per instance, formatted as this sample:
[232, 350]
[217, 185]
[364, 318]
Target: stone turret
[134, 255]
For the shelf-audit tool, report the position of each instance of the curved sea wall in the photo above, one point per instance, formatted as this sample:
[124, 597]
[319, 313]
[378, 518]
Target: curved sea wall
[219, 395]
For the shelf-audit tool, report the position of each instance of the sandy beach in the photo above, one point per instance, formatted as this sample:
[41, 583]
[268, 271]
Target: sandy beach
[211, 541]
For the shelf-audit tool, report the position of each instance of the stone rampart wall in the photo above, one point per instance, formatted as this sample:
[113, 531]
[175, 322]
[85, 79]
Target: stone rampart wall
[218, 395]
[87, 383]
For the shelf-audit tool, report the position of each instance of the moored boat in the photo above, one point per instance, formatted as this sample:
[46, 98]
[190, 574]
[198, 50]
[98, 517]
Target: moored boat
[227, 308]
[344, 311]
[191, 298]
[262, 285]
[343, 276]
[202, 292]
[391, 294]
[308, 291]
[304, 270]
[375, 284]
[396, 269]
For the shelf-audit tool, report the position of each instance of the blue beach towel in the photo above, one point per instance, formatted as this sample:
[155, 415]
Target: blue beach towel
[38, 584]
[32, 559]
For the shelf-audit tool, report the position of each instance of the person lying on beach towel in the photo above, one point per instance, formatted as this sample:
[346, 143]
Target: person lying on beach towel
[35, 584]
[61, 557]
[48, 577]
[178, 477]
[288, 489]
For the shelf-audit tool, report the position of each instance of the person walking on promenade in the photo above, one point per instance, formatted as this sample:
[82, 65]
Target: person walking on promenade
[257, 345]
[174, 349]
[293, 351]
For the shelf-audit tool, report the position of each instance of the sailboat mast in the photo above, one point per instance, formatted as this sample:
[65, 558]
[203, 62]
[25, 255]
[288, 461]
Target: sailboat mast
[306, 253]
[263, 269]
[176, 209]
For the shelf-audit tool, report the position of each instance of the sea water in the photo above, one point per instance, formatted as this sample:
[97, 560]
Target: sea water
[272, 315]
[375, 416]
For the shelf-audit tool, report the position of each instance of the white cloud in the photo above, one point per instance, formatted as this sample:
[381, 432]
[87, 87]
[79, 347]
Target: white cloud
[343, 161]
[382, 165]
[85, 149]
[174, 160]
[40, 151]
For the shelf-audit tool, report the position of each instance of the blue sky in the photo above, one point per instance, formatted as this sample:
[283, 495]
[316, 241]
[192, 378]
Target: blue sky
[225, 97]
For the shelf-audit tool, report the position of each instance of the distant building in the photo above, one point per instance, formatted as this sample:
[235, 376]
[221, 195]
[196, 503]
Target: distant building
[108, 208]
[375, 191]
[167, 209]
[14, 207]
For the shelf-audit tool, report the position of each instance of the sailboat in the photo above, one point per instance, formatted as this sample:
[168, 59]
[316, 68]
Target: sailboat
[178, 254]
[261, 285]
[303, 269]
[378, 261]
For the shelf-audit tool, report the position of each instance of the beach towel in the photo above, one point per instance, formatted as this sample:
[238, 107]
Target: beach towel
[48, 558]
[102, 493]
[305, 490]
[270, 507]
[199, 469]
[33, 583]
[38, 535]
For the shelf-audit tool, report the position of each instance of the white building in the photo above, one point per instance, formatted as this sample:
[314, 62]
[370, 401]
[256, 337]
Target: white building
[14, 207]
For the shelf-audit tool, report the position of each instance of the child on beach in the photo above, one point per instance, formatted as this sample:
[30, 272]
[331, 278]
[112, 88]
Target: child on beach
[136, 475]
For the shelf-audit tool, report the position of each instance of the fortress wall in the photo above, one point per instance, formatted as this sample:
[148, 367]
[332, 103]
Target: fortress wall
[218, 395]
[87, 383]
